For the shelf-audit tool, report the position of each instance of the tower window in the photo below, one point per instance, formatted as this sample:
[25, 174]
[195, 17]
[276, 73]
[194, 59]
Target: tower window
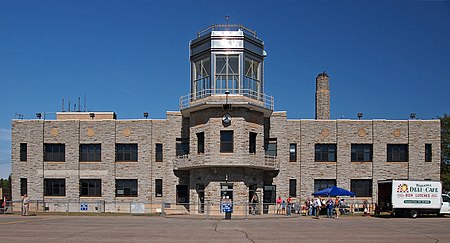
[271, 147]
[182, 146]
[252, 142]
[227, 73]
[201, 142]
[226, 141]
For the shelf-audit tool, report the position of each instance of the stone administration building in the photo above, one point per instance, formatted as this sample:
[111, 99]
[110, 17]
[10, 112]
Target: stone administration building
[226, 140]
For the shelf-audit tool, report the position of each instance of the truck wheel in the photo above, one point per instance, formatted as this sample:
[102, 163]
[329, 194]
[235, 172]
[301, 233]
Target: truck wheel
[413, 213]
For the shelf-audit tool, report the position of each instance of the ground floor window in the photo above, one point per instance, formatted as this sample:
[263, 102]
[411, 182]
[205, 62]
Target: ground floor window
[90, 187]
[126, 188]
[321, 184]
[292, 187]
[55, 187]
[158, 187]
[361, 187]
[23, 186]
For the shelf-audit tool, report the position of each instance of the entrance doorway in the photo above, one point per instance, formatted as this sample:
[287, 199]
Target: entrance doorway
[226, 190]
[201, 198]
[183, 195]
[270, 193]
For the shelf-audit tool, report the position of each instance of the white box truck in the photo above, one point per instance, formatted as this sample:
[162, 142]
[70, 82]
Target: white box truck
[411, 198]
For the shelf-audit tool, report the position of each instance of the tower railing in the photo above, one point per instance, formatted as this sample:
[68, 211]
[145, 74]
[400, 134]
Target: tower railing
[261, 99]
[227, 27]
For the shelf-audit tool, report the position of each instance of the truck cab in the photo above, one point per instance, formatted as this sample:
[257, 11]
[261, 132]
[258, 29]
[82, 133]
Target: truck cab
[445, 208]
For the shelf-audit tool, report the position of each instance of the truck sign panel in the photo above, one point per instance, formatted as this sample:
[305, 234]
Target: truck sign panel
[416, 194]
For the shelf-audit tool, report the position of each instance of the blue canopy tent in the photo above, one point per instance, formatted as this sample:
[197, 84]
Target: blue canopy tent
[334, 191]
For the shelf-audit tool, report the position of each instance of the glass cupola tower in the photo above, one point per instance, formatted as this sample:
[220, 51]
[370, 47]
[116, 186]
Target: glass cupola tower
[227, 60]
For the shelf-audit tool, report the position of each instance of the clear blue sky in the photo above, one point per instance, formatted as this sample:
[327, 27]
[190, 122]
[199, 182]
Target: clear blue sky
[384, 58]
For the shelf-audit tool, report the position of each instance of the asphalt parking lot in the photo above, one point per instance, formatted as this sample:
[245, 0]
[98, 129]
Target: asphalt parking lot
[15, 228]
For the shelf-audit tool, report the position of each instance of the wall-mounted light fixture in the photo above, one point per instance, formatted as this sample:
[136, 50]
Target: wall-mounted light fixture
[360, 115]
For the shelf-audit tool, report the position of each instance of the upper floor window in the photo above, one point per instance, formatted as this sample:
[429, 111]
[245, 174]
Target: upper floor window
[252, 142]
[201, 142]
[271, 147]
[226, 141]
[182, 146]
[54, 187]
[397, 152]
[90, 152]
[428, 152]
[126, 187]
[292, 152]
[54, 152]
[23, 152]
[325, 152]
[90, 187]
[159, 152]
[126, 152]
[362, 152]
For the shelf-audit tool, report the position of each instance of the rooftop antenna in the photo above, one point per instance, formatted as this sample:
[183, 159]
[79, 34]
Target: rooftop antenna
[227, 17]
[19, 116]
[79, 105]
[62, 105]
[84, 102]
[68, 106]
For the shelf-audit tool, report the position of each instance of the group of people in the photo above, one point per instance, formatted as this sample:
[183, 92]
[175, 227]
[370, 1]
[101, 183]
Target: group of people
[284, 206]
[334, 206]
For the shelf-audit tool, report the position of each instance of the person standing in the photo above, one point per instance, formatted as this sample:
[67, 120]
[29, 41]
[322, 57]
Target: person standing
[254, 203]
[308, 206]
[336, 207]
[25, 205]
[289, 206]
[366, 207]
[279, 201]
[317, 204]
[330, 207]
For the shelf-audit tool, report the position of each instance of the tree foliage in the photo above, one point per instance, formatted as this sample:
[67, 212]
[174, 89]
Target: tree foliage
[445, 152]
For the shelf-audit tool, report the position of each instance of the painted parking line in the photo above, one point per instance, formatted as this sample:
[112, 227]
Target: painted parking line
[25, 221]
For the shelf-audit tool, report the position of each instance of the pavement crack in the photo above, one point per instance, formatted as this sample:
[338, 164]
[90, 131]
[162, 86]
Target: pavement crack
[435, 240]
[216, 224]
[246, 235]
